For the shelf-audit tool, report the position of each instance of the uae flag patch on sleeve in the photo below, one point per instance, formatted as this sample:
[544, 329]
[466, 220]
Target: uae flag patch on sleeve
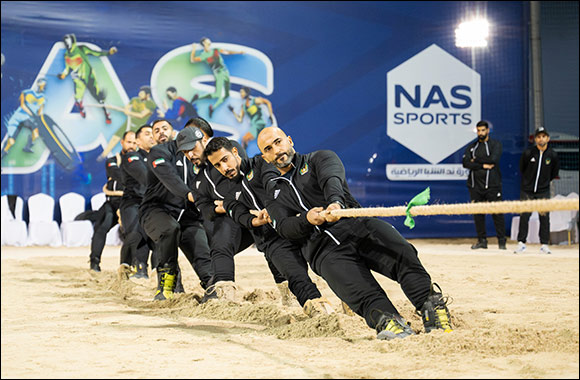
[158, 161]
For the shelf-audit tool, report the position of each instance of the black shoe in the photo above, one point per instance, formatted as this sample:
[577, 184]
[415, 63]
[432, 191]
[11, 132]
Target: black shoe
[141, 271]
[434, 311]
[179, 285]
[95, 266]
[392, 326]
[195, 97]
[501, 244]
[480, 244]
[210, 293]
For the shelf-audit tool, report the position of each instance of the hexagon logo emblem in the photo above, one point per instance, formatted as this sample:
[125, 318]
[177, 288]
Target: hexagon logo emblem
[433, 102]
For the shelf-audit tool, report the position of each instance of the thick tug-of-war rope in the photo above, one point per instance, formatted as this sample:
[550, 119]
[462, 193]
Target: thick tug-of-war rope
[504, 207]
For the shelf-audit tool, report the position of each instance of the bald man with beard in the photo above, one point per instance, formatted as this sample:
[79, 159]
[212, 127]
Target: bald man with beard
[344, 251]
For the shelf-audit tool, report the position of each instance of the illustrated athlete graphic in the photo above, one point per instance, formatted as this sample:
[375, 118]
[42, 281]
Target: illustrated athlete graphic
[31, 103]
[81, 72]
[251, 107]
[30, 115]
[213, 57]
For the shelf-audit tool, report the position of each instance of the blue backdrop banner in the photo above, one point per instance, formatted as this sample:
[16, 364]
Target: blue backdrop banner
[382, 84]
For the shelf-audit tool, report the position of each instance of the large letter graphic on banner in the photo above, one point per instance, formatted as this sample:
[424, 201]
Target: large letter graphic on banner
[252, 69]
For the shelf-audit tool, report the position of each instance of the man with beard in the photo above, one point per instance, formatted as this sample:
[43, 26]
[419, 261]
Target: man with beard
[226, 237]
[135, 248]
[539, 165]
[482, 157]
[344, 251]
[245, 204]
[114, 190]
[167, 213]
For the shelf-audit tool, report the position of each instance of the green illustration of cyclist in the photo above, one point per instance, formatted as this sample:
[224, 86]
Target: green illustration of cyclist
[81, 72]
[213, 57]
[31, 103]
[251, 106]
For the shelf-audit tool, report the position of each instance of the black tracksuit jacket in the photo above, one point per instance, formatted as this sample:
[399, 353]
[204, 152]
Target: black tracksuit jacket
[488, 152]
[134, 177]
[169, 175]
[536, 181]
[317, 180]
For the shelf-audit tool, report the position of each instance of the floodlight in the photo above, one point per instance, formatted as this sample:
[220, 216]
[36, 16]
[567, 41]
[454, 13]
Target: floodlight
[472, 33]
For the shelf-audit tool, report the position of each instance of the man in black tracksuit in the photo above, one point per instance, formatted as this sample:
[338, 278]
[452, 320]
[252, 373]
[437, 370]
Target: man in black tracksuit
[344, 251]
[226, 236]
[135, 248]
[247, 194]
[539, 165]
[106, 217]
[484, 181]
[169, 217]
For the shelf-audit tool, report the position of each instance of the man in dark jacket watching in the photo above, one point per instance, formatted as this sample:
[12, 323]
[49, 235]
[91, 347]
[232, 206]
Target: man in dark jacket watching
[539, 165]
[484, 181]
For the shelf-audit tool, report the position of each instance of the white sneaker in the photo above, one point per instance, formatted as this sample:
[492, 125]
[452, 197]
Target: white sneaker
[545, 249]
[521, 247]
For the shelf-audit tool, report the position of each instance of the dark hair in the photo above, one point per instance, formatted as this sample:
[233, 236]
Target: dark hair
[482, 123]
[171, 89]
[160, 120]
[203, 39]
[246, 89]
[126, 133]
[147, 89]
[216, 144]
[141, 128]
[200, 123]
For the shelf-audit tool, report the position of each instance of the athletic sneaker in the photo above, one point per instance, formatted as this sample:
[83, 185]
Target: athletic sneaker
[435, 313]
[140, 273]
[226, 290]
[285, 294]
[95, 266]
[392, 326]
[209, 294]
[166, 284]
[178, 284]
[521, 248]
[317, 306]
[545, 249]
[124, 271]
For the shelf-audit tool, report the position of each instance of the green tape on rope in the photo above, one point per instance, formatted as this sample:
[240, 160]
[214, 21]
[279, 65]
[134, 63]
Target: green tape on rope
[418, 200]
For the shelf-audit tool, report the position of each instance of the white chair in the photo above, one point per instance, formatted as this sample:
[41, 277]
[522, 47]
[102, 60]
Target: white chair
[42, 228]
[113, 237]
[75, 233]
[97, 201]
[14, 230]
[564, 221]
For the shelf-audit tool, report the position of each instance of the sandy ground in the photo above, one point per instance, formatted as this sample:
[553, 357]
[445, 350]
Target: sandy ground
[515, 316]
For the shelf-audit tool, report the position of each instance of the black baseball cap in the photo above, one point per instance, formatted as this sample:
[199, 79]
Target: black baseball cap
[541, 130]
[187, 138]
